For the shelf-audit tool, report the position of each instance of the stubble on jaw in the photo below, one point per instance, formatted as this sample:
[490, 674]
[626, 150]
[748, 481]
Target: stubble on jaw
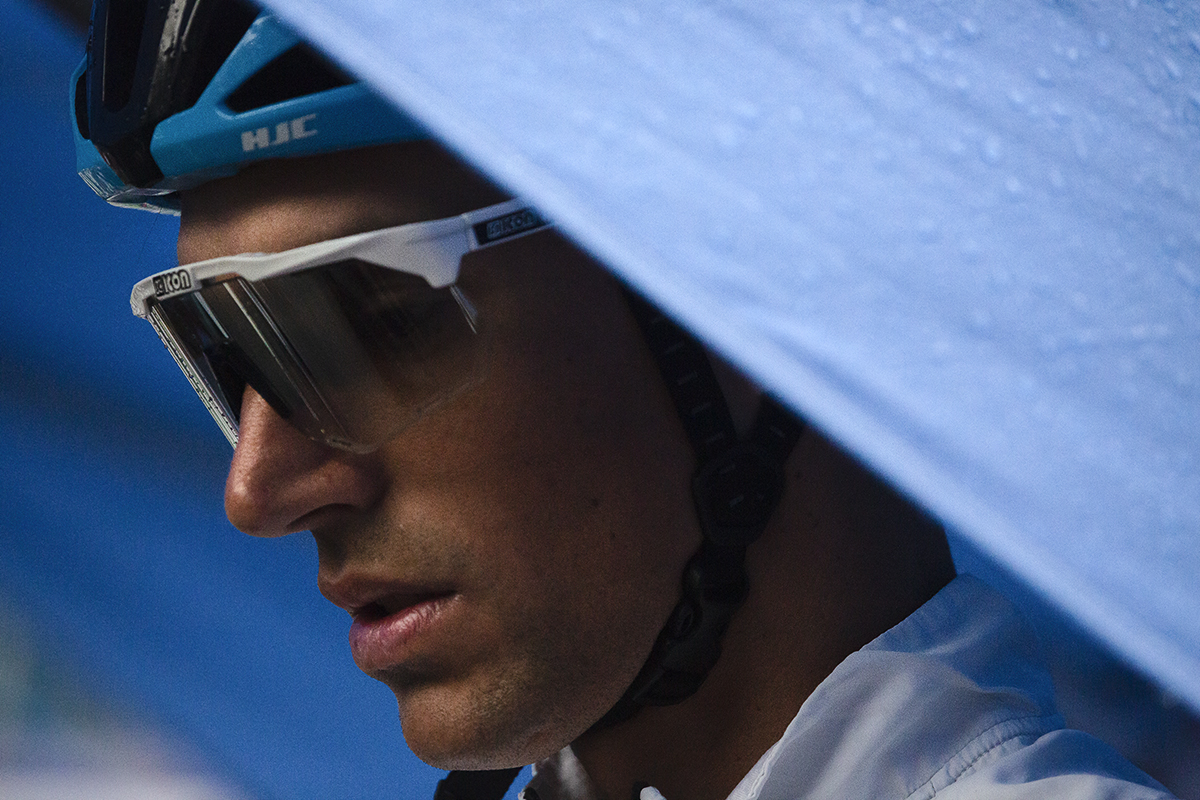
[505, 714]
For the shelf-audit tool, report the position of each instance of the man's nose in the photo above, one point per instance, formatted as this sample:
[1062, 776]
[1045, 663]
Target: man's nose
[280, 481]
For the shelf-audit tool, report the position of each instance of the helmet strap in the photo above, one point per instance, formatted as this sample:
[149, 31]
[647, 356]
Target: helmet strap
[736, 487]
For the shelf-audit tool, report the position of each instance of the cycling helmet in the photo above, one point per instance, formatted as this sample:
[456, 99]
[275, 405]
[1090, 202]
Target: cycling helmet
[173, 93]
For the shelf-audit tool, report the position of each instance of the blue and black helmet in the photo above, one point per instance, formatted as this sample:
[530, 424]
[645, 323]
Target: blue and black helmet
[173, 93]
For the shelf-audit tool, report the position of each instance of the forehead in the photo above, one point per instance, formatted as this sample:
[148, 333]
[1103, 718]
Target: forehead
[286, 203]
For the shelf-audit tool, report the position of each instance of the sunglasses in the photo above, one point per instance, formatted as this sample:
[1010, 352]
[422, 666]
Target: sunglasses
[349, 340]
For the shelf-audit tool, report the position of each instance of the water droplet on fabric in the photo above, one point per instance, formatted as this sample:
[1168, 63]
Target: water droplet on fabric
[1139, 332]
[928, 230]
[747, 110]
[1081, 148]
[991, 150]
[855, 16]
[1187, 275]
[1154, 73]
[729, 136]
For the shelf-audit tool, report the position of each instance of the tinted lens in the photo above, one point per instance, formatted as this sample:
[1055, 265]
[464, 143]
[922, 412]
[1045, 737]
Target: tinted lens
[349, 353]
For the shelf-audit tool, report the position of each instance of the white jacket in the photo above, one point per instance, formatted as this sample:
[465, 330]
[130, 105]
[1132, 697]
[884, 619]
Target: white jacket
[951, 703]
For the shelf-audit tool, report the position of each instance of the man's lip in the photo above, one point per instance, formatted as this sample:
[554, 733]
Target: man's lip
[382, 638]
[365, 595]
[388, 613]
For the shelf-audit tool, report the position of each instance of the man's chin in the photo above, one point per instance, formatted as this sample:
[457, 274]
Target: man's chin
[456, 753]
[455, 736]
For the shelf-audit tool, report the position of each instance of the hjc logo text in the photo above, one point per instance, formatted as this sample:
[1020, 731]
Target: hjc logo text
[285, 132]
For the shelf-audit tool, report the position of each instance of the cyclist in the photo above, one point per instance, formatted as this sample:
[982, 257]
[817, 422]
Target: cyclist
[566, 533]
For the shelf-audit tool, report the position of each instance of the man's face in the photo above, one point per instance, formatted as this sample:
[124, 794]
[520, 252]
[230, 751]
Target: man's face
[512, 555]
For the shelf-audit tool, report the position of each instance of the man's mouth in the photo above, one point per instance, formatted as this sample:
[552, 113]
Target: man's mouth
[386, 631]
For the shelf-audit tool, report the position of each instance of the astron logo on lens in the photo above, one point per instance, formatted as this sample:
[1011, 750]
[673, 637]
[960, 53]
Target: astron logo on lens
[285, 132]
[172, 283]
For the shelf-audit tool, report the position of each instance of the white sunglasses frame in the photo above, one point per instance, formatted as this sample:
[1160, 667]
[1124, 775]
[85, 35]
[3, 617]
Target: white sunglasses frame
[432, 250]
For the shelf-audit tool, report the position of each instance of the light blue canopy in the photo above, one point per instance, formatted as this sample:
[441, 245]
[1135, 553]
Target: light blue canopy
[962, 237]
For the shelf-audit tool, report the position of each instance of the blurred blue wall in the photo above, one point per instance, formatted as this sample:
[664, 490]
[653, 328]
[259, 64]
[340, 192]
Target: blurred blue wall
[114, 540]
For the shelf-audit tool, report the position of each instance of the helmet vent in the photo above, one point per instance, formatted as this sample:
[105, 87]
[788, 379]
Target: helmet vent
[121, 51]
[226, 26]
[297, 72]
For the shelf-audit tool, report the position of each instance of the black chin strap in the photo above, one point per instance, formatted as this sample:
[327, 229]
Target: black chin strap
[736, 488]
